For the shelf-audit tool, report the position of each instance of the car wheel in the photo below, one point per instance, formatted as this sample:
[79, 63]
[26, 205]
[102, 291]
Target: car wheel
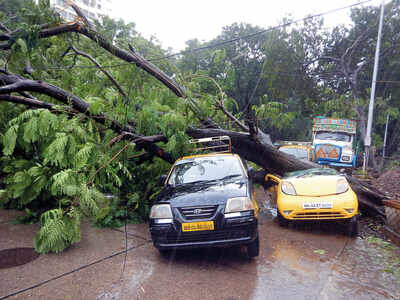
[352, 227]
[253, 249]
[281, 220]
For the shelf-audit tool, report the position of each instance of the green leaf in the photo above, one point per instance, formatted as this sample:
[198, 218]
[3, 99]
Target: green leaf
[21, 46]
[10, 139]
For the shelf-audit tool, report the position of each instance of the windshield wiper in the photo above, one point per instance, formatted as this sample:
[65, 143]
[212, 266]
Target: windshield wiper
[230, 177]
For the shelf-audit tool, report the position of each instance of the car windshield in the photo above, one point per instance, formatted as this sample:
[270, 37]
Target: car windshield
[205, 169]
[296, 152]
[334, 136]
[311, 172]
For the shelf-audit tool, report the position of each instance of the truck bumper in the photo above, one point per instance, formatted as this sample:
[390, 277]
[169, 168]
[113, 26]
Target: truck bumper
[335, 164]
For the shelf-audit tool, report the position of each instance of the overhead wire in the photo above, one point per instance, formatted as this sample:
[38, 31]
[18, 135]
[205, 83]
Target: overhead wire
[244, 37]
[124, 161]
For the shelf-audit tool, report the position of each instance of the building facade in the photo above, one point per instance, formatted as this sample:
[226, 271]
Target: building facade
[92, 9]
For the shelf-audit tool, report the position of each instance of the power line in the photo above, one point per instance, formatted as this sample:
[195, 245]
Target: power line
[244, 37]
[261, 32]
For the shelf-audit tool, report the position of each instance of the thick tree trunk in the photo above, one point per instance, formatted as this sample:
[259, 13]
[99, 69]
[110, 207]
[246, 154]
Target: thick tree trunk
[257, 150]
[276, 162]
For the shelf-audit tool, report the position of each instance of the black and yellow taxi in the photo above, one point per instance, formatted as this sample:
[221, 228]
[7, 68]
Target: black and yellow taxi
[206, 201]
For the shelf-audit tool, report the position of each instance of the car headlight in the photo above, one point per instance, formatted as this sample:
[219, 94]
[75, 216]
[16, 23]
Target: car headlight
[238, 204]
[288, 188]
[161, 211]
[341, 186]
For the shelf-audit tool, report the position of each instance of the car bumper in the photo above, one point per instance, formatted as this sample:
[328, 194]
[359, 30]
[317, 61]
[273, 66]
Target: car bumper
[342, 203]
[234, 231]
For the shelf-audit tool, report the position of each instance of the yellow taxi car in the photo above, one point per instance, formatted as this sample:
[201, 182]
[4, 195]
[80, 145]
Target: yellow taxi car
[319, 194]
[300, 150]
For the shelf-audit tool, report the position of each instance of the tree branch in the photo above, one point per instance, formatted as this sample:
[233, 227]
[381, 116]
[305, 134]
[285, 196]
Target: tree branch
[27, 101]
[16, 84]
[129, 57]
[105, 72]
[221, 106]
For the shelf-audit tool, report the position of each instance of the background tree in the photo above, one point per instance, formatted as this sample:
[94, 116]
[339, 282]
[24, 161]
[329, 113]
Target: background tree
[91, 109]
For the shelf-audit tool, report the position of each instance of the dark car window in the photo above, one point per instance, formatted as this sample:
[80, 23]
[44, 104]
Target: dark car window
[296, 152]
[205, 169]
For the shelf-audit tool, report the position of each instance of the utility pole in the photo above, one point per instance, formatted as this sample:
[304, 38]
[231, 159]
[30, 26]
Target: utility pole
[367, 142]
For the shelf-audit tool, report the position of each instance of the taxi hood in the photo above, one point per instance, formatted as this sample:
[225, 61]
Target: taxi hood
[321, 185]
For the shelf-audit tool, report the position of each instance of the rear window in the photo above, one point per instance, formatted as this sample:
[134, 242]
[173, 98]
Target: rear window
[311, 172]
[296, 152]
[205, 169]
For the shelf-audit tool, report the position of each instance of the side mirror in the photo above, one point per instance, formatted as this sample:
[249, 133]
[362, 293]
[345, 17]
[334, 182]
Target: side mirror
[250, 172]
[163, 177]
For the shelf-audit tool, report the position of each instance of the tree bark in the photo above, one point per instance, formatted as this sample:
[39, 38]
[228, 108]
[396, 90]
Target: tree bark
[256, 150]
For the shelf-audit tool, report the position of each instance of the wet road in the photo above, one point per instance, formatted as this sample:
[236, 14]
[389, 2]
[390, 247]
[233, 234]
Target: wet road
[301, 262]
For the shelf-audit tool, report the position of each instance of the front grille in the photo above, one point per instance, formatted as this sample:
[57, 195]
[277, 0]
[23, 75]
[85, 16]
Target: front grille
[319, 215]
[208, 236]
[198, 212]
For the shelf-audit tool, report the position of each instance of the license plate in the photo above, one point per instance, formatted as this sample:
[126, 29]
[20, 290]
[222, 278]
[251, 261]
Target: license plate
[198, 226]
[314, 205]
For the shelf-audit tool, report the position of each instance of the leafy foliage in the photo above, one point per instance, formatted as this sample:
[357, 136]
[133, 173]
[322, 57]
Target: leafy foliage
[58, 230]
[61, 165]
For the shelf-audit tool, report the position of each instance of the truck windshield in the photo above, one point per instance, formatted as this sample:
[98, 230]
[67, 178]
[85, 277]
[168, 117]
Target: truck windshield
[333, 136]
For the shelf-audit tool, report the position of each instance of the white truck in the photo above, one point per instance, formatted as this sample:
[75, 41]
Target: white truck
[334, 141]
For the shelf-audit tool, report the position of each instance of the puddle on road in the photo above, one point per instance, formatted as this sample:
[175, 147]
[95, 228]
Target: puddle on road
[367, 271]
[131, 284]
[267, 206]
[17, 256]
[361, 271]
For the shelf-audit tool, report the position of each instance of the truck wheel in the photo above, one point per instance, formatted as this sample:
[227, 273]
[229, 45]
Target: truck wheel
[352, 227]
[253, 249]
[281, 220]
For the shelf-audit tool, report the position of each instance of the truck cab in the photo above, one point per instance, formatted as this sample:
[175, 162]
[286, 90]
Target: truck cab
[334, 142]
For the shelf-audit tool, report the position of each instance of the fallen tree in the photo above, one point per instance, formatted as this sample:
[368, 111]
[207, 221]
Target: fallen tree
[250, 142]
[253, 145]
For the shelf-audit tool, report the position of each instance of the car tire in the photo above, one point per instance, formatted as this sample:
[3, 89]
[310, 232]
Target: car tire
[352, 227]
[281, 220]
[253, 249]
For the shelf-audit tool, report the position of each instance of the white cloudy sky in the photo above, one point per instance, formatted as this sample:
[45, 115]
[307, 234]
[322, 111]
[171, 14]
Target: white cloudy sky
[175, 21]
